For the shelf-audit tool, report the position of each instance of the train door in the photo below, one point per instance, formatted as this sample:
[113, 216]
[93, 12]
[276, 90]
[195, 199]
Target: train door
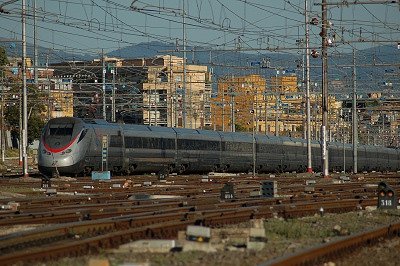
[116, 150]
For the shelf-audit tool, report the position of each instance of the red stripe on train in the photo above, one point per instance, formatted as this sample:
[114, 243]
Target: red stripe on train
[59, 149]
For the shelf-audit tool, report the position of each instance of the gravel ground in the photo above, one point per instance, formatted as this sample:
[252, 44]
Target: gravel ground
[385, 253]
[284, 237]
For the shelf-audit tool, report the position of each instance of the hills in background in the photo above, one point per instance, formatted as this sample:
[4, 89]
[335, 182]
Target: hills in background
[242, 63]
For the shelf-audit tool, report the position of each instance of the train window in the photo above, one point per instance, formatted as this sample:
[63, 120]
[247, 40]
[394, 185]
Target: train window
[239, 146]
[185, 144]
[82, 135]
[204, 145]
[189, 144]
[168, 144]
[116, 141]
[133, 142]
[151, 143]
[212, 145]
[223, 146]
[61, 129]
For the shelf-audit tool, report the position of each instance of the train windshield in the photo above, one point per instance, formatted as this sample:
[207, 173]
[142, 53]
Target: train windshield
[61, 129]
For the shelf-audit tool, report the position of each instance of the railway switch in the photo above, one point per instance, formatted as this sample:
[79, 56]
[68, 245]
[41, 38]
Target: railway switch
[227, 192]
[387, 196]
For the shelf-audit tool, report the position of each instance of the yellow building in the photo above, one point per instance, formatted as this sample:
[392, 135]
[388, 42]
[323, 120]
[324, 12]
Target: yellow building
[276, 107]
[237, 102]
[281, 84]
[61, 101]
[252, 103]
[57, 92]
[169, 100]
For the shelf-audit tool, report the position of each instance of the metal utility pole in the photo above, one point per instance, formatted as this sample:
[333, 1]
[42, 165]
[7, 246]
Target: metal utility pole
[104, 84]
[266, 113]
[113, 96]
[276, 115]
[307, 74]
[155, 99]
[355, 121]
[184, 66]
[24, 97]
[276, 105]
[324, 127]
[3, 146]
[254, 144]
[232, 92]
[48, 89]
[223, 111]
[35, 46]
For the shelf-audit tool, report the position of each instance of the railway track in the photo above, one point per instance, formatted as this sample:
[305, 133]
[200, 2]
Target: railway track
[104, 216]
[331, 251]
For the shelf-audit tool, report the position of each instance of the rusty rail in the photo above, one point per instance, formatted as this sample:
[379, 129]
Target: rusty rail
[331, 251]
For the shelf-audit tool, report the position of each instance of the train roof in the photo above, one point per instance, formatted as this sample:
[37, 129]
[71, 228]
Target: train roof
[245, 136]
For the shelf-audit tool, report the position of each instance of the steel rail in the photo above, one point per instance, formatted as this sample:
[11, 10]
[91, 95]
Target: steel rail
[336, 249]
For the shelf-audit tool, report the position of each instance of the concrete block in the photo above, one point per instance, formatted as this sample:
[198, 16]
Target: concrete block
[257, 239]
[255, 193]
[51, 191]
[345, 178]
[257, 223]
[310, 182]
[257, 234]
[98, 262]
[14, 205]
[116, 185]
[158, 246]
[204, 179]
[198, 246]
[198, 233]
[371, 208]
[147, 183]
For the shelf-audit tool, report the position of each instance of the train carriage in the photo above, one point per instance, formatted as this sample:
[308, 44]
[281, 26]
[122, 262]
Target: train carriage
[72, 146]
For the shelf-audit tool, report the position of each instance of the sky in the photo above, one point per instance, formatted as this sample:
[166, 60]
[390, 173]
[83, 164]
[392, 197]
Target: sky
[83, 26]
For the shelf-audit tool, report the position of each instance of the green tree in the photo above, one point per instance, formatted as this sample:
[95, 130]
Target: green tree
[3, 57]
[36, 108]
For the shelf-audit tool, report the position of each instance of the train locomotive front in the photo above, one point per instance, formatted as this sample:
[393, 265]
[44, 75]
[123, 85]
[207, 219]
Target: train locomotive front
[63, 146]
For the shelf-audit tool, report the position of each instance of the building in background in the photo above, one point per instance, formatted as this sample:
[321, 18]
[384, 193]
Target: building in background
[273, 107]
[239, 99]
[57, 92]
[148, 91]
[168, 99]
